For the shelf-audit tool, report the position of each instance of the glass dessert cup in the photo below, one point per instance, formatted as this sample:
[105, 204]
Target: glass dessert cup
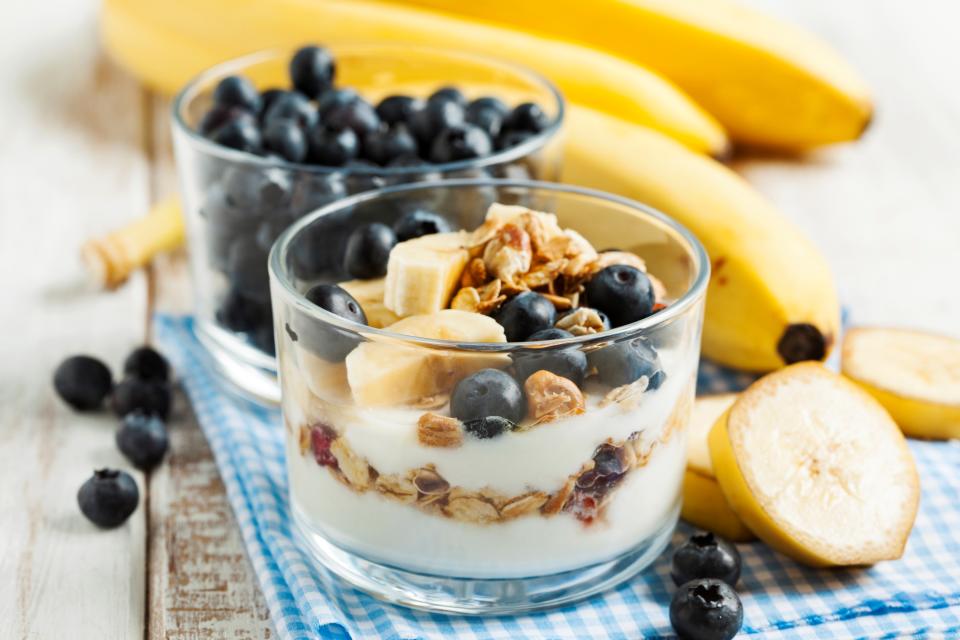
[232, 197]
[390, 494]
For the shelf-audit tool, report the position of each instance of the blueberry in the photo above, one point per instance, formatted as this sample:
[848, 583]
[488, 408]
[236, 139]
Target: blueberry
[362, 175]
[526, 117]
[510, 139]
[312, 70]
[397, 109]
[219, 115]
[368, 249]
[286, 139]
[381, 147]
[133, 394]
[332, 148]
[263, 338]
[487, 113]
[462, 142]
[706, 556]
[292, 107]
[488, 103]
[269, 230]
[525, 314]
[337, 301]
[108, 498]
[624, 362]
[83, 382]
[147, 364]
[239, 312]
[335, 98]
[448, 94]
[252, 190]
[357, 115]
[247, 269]
[142, 438]
[237, 91]
[267, 98]
[428, 121]
[706, 609]
[486, 393]
[418, 223]
[240, 133]
[489, 427]
[622, 292]
[570, 362]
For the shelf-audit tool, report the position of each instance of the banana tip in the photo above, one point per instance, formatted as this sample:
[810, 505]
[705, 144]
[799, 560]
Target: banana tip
[801, 342]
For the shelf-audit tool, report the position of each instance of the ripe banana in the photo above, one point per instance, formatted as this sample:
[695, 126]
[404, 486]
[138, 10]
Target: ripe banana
[704, 505]
[387, 373]
[816, 468]
[771, 299]
[767, 82]
[423, 273]
[167, 43]
[369, 293]
[914, 375]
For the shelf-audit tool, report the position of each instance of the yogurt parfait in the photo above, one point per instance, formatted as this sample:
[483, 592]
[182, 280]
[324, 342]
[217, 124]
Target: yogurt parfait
[494, 419]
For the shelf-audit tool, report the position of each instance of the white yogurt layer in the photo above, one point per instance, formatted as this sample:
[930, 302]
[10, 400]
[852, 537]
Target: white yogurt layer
[403, 536]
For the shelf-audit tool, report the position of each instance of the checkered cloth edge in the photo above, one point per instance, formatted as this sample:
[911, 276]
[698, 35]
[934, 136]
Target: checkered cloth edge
[915, 597]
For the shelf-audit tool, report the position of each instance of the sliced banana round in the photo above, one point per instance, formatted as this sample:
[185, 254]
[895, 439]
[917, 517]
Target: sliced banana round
[817, 468]
[915, 375]
[704, 505]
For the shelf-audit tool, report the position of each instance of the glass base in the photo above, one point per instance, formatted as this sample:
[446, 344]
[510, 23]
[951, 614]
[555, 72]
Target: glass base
[247, 370]
[478, 596]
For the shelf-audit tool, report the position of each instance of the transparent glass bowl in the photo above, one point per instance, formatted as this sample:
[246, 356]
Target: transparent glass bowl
[531, 518]
[231, 197]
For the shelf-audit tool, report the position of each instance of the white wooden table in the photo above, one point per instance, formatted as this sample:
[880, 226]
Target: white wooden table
[85, 148]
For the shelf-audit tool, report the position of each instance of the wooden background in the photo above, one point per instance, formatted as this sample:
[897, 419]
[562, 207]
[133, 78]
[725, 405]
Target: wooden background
[85, 148]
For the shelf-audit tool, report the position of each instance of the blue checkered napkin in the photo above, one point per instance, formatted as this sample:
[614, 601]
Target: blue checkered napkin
[915, 597]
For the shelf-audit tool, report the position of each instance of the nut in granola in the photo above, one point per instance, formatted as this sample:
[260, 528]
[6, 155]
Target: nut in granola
[628, 395]
[551, 397]
[610, 258]
[582, 322]
[467, 299]
[524, 505]
[397, 487]
[509, 254]
[471, 508]
[430, 483]
[354, 468]
[434, 430]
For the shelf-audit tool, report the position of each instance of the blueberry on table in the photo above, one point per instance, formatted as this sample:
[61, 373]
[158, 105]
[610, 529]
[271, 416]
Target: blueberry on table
[292, 107]
[417, 223]
[461, 142]
[338, 301]
[108, 498]
[133, 394]
[526, 117]
[381, 147]
[428, 121]
[312, 70]
[569, 362]
[489, 427]
[525, 314]
[622, 292]
[397, 109]
[237, 91]
[706, 609]
[358, 115]
[247, 268]
[625, 362]
[448, 94]
[511, 139]
[286, 139]
[706, 556]
[241, 134]
[368, 249]
[486, 393]
[83, 382]
[143, 439]
[332, 148]
[146, 363]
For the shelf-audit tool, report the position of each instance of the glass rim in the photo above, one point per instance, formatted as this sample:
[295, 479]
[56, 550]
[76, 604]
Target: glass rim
[234, 65]
[281, 275]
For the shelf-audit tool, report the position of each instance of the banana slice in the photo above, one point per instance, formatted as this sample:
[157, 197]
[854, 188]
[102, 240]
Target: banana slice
[816, 468]
[423, 273]
[384, 373]
[704, 505]
[369, 293]
[915, 375]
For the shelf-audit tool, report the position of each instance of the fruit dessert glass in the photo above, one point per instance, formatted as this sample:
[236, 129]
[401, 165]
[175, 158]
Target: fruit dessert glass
[435, 464]
[237, 203]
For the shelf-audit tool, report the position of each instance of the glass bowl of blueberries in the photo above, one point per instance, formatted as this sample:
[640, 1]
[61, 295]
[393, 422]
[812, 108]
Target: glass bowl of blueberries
[262, 140]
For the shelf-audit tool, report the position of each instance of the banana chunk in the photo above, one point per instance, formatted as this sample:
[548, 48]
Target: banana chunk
[704, 505]
[423, 273]
[817, 468]
[369, 293]
[387, 373]
[914, 375]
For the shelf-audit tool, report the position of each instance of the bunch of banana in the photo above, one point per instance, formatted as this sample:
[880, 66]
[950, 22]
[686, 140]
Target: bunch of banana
[767, 82]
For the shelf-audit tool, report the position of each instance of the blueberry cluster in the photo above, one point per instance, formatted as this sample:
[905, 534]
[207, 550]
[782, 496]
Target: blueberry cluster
[706, 606]
[315, 122]
[142, 402]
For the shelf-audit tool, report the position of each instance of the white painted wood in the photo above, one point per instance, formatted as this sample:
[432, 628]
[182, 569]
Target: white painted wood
[71, 165]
